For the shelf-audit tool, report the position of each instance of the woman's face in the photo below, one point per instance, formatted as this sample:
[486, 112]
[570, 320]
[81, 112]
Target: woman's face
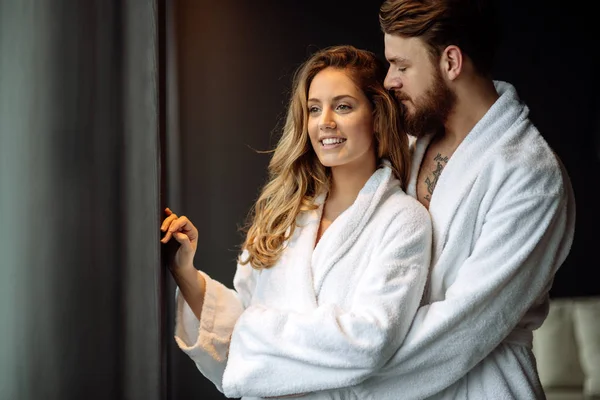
[340, 120]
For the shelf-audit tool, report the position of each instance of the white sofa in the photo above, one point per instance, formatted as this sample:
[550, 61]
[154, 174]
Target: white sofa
[567, 349]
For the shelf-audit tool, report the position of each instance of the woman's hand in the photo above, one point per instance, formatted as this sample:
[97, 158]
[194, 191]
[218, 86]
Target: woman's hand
[186, 234]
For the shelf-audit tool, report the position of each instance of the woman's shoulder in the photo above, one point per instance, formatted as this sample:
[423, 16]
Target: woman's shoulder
[400, 205]
[402, 219]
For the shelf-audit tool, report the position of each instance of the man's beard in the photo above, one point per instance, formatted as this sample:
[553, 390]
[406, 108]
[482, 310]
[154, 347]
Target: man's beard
[431, 110]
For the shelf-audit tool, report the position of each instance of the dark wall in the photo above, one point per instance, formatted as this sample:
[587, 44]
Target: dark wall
[547, 53]
[235, 60]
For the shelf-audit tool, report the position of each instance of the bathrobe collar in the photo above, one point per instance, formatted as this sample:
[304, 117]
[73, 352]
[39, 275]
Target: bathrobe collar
[344, 231]
[501, 122]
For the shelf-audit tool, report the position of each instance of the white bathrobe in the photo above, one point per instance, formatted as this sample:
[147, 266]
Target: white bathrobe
[325, 318]
[503, 218]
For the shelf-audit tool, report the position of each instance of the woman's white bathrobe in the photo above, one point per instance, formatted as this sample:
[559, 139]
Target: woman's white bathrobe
[325, 318]
[503, 218]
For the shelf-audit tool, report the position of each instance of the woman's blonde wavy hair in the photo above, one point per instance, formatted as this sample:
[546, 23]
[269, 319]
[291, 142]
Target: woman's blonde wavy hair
[296, 177]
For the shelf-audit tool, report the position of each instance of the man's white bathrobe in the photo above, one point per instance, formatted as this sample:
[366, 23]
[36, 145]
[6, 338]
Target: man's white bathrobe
[503, 218]
[325, 317]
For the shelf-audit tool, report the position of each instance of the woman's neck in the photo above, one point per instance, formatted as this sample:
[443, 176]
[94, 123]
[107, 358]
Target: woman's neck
[346, 183]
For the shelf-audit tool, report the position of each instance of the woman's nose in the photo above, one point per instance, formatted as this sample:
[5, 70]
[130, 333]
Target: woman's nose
[327, 121]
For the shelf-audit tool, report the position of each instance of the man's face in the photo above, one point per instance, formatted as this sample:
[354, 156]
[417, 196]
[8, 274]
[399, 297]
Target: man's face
[417, 82]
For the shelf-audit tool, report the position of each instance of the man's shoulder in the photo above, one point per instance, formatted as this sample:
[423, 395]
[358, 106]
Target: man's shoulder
[528, 164]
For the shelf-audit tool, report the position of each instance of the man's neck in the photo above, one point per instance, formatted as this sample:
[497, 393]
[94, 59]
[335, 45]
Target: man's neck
[475, 97]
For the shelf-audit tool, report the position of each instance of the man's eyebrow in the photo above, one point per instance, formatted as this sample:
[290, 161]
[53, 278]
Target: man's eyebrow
[397, 60]
[336, 98]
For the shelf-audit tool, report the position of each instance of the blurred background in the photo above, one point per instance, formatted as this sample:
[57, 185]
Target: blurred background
[112, 110]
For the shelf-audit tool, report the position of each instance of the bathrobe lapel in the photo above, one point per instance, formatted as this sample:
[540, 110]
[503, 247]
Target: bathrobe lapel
[295, 269]
[343, 232]
[459, 175]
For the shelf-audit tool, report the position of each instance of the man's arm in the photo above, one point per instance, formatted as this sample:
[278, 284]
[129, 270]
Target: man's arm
[512, 265]
[276, 352]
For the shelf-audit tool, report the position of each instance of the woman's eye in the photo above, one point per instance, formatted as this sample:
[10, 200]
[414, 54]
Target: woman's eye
[344, 107]
[313, 109]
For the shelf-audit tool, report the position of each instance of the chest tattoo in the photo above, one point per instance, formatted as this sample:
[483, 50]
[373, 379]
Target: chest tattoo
[432, 179]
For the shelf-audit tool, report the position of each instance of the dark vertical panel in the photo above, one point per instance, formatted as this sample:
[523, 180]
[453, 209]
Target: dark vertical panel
[80, 308]
[59, 146]
[171, 159]
[143, 277]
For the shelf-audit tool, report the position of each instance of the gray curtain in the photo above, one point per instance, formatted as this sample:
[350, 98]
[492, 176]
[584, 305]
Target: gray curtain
[81, 129]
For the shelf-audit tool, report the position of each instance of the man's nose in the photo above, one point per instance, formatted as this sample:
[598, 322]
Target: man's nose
[392, 81]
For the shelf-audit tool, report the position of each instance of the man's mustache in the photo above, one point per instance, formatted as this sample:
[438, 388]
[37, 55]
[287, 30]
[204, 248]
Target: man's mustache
[399, 95]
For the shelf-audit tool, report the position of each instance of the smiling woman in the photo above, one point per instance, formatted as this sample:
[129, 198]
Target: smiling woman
[340, 122]
[336, 255]
[301, 166]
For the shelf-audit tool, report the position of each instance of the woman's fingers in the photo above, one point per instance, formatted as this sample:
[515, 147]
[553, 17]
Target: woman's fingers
[184, 233]
[167, 221]
[181, 224]
[183, 239]
[166, 226]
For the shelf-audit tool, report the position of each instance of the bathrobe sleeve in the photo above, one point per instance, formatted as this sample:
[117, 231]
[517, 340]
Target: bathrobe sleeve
[524, 239]
[276, 353]
[206, 341]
